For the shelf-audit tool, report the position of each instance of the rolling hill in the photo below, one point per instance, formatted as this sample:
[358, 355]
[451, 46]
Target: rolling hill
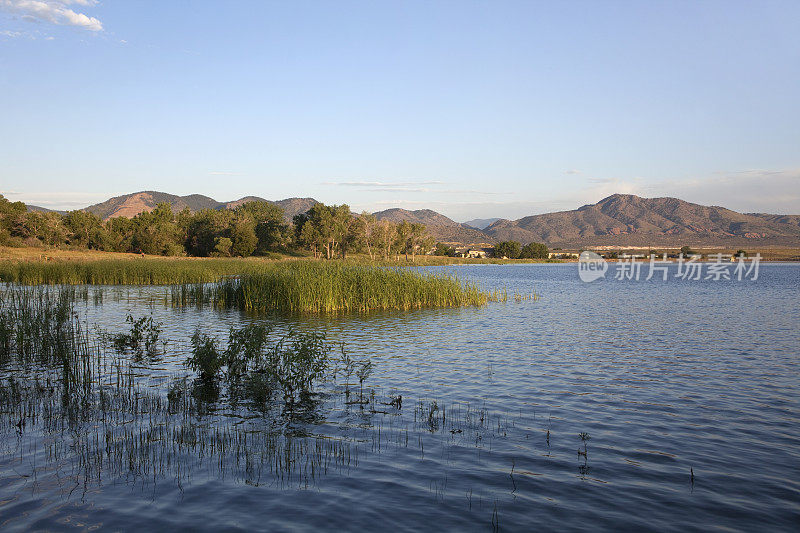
[481, 223]
[439, 226]
[619, 220]
[130, 205]
[624, 219]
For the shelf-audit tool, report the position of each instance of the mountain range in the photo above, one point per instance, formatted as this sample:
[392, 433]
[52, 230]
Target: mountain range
[439, 226]
[619, 220]
[628, 220]
[481, 223]
[130, 205]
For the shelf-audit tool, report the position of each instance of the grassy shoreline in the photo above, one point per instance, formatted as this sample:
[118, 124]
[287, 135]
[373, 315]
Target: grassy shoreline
[33, 266]
[36, 266]
[261, 285]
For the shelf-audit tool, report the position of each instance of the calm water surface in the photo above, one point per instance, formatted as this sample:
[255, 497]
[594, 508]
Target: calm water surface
[666, 378]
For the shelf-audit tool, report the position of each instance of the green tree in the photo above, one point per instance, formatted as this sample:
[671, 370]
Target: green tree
[270, 229]
[342, 230]
[222, 247]
[509, 249]
[443, 249]
[324, 227]
[84, 229]
[418, 240]
[121, 231]
[403, 238]
[156, 232]
[243, 235]
[355, 239]
[371, 234]
[204, 228]
[534, 250]
[10, 212]
[385, 234]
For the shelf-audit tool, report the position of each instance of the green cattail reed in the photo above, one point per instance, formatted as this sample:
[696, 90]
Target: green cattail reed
[318, 287]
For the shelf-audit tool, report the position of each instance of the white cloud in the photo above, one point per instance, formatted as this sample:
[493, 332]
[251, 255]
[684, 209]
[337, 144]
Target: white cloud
[54, 12]
[11, 34]
[746, 191]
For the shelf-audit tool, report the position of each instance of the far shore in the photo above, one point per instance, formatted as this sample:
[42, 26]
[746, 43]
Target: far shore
[35, 254]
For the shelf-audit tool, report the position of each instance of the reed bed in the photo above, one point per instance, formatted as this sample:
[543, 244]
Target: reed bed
[76, 415]
[122, 271]
[314, 287]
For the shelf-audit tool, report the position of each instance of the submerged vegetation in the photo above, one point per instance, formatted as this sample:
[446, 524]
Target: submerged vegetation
[261, 406]
[329, 287]
[143, 336]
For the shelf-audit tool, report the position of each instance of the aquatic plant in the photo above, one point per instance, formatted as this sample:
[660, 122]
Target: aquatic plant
[206, 359]
[142, 338]
[363, 372]
[584, 439]
[122, 271]
[349, 365]
[316, 287]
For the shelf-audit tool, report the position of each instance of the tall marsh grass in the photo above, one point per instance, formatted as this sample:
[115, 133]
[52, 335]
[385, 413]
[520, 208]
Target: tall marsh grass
[314, 287]
[121, 271]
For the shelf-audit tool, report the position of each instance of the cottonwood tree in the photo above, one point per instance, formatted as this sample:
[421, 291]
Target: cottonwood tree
[534, 250]
[508, 249]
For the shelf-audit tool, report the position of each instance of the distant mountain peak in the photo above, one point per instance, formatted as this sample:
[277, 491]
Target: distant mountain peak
[481, 223]
[130, 205]
[627, 219]
[618, 219]
[439, 226]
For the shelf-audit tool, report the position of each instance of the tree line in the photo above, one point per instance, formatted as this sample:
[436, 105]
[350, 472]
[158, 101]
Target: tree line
[515, 250]
[253, 228]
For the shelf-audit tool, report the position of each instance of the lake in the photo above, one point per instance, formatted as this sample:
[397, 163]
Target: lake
[686, 394]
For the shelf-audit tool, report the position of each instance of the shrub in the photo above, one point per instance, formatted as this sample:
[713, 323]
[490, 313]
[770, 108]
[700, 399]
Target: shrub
[205, 359]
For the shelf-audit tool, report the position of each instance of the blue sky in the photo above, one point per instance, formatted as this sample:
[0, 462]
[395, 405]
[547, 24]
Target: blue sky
[473, 109]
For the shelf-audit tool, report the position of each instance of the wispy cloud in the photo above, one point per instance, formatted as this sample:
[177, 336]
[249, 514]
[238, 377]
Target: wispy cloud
[382, 184]
[54, 12]
[752, 190]
[56, 200]
[224, 173]
[397, 188]
[432, 186]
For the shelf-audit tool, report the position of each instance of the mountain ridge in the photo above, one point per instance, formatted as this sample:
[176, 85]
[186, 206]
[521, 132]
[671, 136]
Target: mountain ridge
[481, 223]
[130, 205]
[617, 220]
[622, 219]
[439, 226]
